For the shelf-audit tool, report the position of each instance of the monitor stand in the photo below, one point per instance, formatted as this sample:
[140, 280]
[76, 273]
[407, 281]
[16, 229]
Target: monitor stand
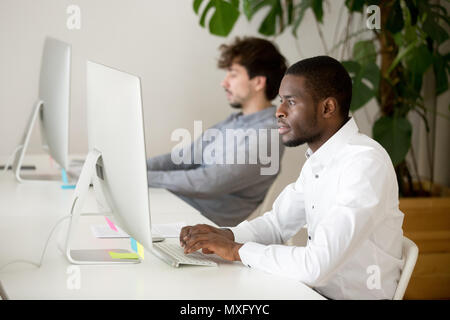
[22, 148]
[88, 256]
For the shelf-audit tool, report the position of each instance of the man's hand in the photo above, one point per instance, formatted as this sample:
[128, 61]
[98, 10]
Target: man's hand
[210, 240]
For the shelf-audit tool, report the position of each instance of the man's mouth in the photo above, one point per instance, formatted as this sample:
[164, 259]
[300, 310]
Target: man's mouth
[283, 128]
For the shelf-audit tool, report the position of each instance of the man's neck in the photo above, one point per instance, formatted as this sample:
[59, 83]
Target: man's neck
[314, 146]
[255, 105]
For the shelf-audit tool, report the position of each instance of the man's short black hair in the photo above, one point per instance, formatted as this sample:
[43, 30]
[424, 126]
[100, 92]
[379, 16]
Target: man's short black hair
[325, 77]
[259, 57]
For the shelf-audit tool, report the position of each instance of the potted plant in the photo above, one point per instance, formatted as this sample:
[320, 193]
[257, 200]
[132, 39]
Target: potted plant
[393, 55]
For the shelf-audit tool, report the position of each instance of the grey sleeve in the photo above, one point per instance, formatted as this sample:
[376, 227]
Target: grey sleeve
[164, 163]
[207, 182]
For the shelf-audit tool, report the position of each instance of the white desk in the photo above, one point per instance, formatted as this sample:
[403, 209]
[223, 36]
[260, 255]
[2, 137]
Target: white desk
[29, 211]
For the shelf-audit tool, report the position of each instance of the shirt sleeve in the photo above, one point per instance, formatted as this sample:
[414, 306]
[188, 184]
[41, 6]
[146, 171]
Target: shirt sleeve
[209, 181]
[214, 178]
[285, 219]
[359, 207]
[164, 163]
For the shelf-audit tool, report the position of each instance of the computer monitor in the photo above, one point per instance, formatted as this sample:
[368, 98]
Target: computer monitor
[116, 162]
[51, 108]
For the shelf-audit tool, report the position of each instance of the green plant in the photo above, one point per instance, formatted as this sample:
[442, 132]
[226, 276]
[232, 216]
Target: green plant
[388, 63]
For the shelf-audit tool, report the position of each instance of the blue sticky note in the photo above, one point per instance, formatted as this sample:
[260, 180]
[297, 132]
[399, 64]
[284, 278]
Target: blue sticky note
[133, 245]
[64, 176]
[68, 186]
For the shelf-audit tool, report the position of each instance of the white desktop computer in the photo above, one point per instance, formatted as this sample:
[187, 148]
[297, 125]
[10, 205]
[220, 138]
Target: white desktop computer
[51, 109]
[116, 164]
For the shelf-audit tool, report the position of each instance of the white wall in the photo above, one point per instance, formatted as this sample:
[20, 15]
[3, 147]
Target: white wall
[161, 41]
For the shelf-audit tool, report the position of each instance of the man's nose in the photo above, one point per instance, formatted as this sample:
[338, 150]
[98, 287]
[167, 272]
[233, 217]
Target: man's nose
[224, 83]
[281, 111]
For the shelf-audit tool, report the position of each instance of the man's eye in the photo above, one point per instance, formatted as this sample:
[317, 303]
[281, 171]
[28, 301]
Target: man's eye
[291, 102]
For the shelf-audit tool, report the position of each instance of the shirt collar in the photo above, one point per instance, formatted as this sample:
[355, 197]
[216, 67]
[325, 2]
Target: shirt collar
[325, 153]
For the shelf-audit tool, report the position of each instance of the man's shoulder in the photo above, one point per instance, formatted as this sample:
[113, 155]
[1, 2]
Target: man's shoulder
[361, 146]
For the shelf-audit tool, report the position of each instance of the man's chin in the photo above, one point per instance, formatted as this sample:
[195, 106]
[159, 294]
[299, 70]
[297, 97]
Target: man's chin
[236, 105]
[293, 142]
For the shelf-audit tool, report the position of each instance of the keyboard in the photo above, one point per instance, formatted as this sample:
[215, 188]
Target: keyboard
[173, 254]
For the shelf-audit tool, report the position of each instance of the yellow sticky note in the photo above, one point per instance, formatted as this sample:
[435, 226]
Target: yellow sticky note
[122, 255]
[140, 250]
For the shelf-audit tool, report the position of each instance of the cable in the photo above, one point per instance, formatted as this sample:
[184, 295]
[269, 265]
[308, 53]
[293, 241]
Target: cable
[11, 158]
[39, 264]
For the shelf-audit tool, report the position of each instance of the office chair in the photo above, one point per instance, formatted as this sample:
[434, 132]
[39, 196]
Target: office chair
[410, 252]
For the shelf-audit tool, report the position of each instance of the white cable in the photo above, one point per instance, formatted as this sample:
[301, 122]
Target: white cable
[39, 264]
[11, 159]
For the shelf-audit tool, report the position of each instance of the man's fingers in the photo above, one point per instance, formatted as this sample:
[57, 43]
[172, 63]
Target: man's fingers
[207, 251]
[188, 232]
[194, 240]
[185, 231]
[198, 245]
[201, 228]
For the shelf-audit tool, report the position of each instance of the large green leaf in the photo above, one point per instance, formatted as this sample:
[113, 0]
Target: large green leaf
[395, 21]
[364, 52]
[317, 6]
[361, 75]
[417, 62]
[434, 15]
[440, 66]
[355, 5]
[196, 5]
[413, 11]
[224, 17]
[300, 9]
[269, 25]
[394, 134]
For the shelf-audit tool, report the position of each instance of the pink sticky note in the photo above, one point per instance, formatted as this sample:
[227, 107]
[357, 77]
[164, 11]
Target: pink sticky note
[111, 224]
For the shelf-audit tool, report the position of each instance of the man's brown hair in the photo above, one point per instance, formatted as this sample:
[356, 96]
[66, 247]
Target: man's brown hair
[259, 57]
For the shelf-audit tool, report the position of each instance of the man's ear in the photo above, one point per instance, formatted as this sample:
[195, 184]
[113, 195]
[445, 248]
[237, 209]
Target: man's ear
[259, 83]
[329, 107]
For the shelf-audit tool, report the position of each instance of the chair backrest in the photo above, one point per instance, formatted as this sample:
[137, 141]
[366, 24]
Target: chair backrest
[410, 253]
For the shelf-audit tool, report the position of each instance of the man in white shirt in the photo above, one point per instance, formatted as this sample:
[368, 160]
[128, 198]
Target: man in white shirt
[346, 194]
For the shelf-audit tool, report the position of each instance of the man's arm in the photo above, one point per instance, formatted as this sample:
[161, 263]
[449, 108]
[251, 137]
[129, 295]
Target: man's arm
[359, 208]
[207, 182]
[211, 240]
[285, 219]
[164, 163]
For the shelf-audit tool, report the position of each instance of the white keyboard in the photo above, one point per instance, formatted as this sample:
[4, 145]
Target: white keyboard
[174, 255]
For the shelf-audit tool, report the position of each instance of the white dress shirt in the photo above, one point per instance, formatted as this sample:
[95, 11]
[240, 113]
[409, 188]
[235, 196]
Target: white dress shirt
[347, 195]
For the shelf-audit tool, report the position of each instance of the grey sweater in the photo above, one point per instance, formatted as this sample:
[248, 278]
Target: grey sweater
[224, 179]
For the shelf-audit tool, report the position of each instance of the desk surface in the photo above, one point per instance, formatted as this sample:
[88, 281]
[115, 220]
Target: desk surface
[29, 211]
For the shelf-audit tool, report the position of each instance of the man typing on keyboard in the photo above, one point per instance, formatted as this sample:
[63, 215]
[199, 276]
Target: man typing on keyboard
[346, 194]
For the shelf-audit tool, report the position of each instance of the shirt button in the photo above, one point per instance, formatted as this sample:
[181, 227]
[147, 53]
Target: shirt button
[309, 237]
[313, 206]
[317, 176]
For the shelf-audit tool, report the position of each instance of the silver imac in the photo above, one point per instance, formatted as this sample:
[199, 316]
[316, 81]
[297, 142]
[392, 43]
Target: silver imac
[116, 162]
[51, 109]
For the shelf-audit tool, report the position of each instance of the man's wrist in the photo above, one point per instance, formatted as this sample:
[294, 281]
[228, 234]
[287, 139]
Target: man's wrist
[228, 233]
[236, 256]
